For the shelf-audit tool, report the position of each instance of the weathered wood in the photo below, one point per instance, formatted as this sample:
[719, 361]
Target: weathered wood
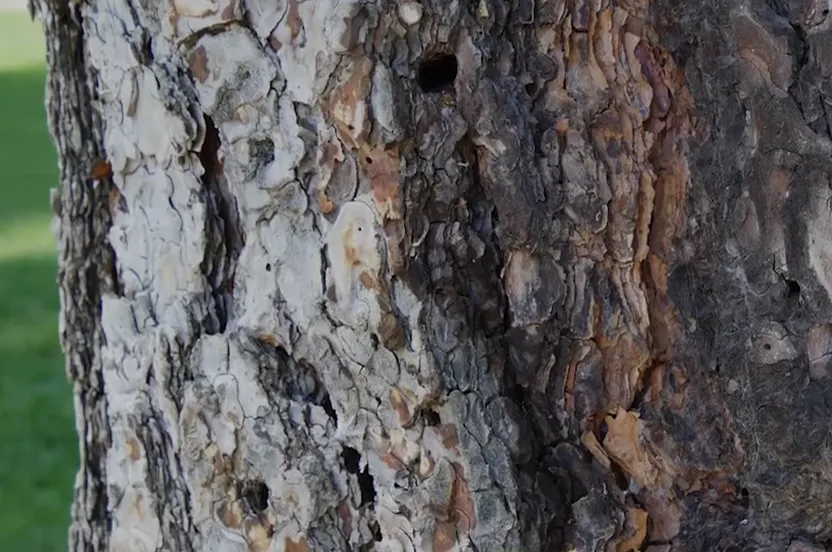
[493, 275]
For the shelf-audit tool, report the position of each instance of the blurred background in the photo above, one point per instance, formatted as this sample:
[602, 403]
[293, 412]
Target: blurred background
[38, 447]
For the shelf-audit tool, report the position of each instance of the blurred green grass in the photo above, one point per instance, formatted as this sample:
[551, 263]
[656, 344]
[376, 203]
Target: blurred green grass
[39, 453]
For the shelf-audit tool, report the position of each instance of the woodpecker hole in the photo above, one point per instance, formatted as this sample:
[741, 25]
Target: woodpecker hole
[255, 495]
[437, 73]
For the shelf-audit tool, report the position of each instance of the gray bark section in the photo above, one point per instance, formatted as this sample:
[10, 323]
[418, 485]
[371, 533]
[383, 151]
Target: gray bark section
[445, 276]
[758, 284]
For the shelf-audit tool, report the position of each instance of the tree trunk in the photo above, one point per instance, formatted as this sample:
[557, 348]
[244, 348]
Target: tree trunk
[493, 275]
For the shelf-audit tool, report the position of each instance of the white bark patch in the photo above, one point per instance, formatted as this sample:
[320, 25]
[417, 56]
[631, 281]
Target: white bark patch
[186, 17]
[309, 41]
[354, 245]
[231, 71]
[165, 227]
[410, 12]
[264, 15]
[253, 454]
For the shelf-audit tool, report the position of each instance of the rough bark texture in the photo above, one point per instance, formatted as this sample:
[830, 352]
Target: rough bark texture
[446, 275]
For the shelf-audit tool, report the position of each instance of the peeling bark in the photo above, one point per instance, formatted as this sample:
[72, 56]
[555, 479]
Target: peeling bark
[494, 275]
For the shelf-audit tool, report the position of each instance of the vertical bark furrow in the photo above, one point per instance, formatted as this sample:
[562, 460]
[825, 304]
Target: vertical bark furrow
[223, 231]
[85, 268]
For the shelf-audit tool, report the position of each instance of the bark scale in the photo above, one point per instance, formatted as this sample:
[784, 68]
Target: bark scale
[445, 275]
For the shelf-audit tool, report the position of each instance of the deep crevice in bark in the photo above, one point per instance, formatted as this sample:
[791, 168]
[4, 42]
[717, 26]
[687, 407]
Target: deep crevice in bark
[280, 375]
[169, 494]
[223, 228]
[352, 463]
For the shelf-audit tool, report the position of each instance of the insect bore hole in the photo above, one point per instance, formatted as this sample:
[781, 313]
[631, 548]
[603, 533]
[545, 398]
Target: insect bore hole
[437, 73]
[255, 495]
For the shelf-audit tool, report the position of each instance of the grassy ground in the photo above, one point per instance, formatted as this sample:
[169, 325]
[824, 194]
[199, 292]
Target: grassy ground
[38, 451]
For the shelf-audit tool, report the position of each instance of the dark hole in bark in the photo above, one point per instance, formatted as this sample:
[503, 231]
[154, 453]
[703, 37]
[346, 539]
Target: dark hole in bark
[375, 528]
[351, 458]
[368, 160]
[531, 88]
[268, 267]
[674, 382]
[352, 462]
[744, 497]
[431, 417]
[255, 495]
[437, 73]
[146, 43]
[621, 479]
[208, 154]
[603, 429]
[792, 289]
[326, 404]
[767, 346]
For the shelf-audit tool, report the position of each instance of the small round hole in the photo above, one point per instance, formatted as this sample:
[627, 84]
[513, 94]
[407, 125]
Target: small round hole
[255, 495]
[745, 499]
[438, 73]
[431, 417]
[268, 267]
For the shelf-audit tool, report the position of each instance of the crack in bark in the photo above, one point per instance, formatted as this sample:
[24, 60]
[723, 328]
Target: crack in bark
[352, 463]
[222, 227]
[171, 499]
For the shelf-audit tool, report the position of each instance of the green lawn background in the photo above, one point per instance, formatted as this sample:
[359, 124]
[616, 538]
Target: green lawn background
[38, 446]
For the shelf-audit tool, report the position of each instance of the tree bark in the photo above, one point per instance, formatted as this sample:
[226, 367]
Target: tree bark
[493, 275]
